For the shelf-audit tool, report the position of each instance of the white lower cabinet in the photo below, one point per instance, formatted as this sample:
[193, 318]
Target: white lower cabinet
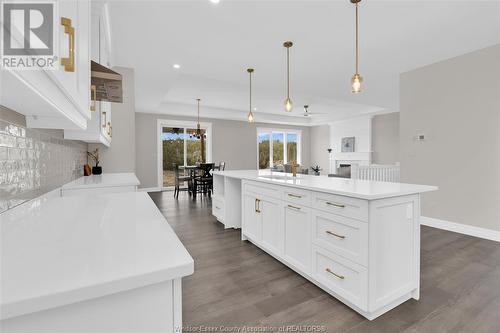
[297, 236]
[343, 277]
[252, 220]
[363, 252]
[272, 224]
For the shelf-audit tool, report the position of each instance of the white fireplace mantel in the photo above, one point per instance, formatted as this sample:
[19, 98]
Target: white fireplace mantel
[360, 158]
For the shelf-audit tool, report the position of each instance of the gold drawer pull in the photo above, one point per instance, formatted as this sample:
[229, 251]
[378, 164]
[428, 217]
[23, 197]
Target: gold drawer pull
[334, 234]
[335, 204]
[69, 63]
[328, 270]
[294, 195]
[110, 130]
[294, 207]
[93, 90]
[217, 207]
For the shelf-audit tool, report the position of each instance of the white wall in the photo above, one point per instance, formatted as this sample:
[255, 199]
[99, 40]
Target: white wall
[320, 142]
[360, 128]
[385, 138]
[456, 105]
[120, 157]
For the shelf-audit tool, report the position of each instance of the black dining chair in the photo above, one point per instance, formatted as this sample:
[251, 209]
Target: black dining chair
[180, 180]
[204, 182]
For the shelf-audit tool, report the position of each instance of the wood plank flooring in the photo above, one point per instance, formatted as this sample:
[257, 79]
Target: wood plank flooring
[235, 284]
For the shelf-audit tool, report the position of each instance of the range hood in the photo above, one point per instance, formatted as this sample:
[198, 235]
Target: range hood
[108, 83]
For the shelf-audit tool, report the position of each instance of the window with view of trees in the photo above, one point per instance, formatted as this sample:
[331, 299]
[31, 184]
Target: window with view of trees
[181, 146]
[277, 147]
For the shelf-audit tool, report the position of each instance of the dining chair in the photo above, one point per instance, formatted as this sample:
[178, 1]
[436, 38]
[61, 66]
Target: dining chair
[180, 180]
[204, 182]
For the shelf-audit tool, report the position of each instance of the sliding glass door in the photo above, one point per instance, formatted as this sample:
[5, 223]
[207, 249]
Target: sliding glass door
[184, 147]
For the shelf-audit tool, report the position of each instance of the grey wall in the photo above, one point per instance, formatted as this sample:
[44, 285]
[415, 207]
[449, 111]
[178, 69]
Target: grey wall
[456, 104]
[33, 162]
[234, 142]
[320, 142]
[385, 138]
[120, 157]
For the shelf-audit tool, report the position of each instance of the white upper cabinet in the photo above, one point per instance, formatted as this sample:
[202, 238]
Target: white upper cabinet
[99, 129]
[58, 97]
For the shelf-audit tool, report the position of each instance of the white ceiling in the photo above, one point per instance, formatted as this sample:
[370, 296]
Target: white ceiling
[215, 44]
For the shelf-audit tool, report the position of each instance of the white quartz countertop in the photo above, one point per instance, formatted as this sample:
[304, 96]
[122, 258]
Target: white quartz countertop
[363, 189]
[104, 180]
[60, 250]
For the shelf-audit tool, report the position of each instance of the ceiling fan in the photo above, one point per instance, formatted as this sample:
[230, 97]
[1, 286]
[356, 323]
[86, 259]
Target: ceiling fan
[307, 113]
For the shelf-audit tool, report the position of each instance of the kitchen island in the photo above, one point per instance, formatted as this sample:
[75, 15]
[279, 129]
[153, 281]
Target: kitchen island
[358, 240]
[90, 263]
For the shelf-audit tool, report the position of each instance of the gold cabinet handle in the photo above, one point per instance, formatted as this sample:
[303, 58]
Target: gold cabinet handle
[69, 63]
[217, 207]
[335, 204]
[334, 234]
[294, 207]
[294, 195]
[93, 90]
[257, 205]
[328, 270]
[110, 130]
[104, 116]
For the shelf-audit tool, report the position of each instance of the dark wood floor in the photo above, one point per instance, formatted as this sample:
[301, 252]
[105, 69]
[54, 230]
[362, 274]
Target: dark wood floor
[237, 284]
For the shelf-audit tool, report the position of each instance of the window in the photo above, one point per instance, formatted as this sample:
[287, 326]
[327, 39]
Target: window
[180, 144]
[277, 147]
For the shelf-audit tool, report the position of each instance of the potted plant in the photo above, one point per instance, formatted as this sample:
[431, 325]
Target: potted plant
[96, 170]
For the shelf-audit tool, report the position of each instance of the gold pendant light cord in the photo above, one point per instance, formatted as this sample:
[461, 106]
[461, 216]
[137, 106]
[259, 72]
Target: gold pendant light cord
[288, 72]
[357, 40]
[198, 111]
[250, 92]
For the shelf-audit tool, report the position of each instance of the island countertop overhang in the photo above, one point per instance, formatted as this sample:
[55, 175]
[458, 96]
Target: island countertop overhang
[361, 189]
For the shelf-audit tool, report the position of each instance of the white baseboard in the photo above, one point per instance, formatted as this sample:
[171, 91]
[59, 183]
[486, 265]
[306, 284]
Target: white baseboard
[461, 228]
[149, 189]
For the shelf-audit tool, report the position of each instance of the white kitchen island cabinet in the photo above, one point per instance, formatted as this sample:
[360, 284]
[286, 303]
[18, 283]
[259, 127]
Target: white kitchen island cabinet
[107, 263]
[358, 240]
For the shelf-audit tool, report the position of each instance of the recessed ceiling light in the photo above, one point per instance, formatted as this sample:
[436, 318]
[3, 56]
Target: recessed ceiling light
[215, 1]
[176, 66]
[255, 109]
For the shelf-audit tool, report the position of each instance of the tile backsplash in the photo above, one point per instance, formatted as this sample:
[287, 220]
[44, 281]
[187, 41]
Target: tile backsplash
[33, 162]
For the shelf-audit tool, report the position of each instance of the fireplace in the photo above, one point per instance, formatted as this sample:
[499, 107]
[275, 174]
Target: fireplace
[344, 170]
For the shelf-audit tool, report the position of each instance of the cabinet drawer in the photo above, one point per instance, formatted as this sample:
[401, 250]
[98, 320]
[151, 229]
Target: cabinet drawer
[341, 276]
[218, 208]
[341, 205]
[257, 188]
[297, 196]
[341, 235]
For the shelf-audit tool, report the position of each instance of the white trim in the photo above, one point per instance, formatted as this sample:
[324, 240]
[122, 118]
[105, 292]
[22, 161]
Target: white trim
[461, 228]
[178, 123]
[149, 189]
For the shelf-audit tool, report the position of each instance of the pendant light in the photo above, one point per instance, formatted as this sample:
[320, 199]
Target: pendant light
[198, 127]
[288, 101]
[250, 114]
[357, 79]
